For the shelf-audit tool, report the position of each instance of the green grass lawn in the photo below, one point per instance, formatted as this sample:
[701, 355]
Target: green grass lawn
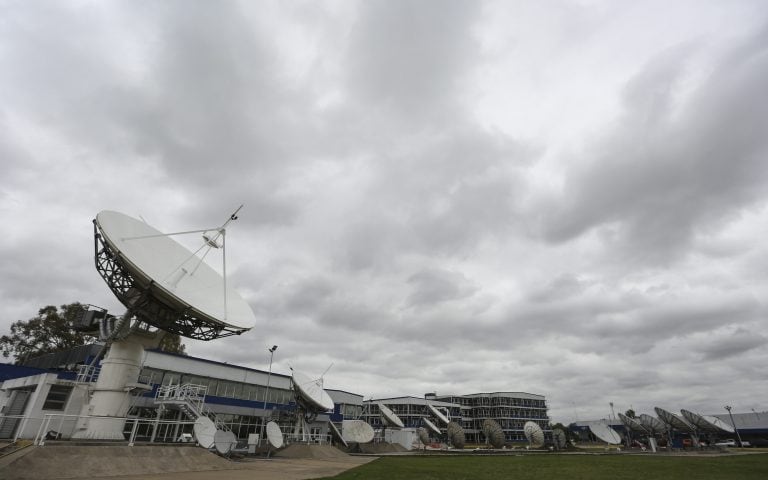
[563, 467]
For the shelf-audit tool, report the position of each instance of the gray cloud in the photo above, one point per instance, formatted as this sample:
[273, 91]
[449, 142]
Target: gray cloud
[439, 196]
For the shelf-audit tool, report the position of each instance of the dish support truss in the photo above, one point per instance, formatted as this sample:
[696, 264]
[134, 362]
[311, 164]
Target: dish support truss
[146, 300]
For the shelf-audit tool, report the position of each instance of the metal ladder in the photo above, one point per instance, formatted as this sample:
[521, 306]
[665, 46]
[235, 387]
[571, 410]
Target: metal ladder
[190, 399]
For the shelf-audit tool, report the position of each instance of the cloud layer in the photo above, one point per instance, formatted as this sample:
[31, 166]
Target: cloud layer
[567, 199]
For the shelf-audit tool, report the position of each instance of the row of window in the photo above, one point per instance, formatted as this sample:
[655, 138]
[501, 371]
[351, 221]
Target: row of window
[219, 388]
[495, 401]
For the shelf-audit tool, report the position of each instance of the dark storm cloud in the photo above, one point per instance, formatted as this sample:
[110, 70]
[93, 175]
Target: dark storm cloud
[431, 287]
[737, 343]
[673, 165]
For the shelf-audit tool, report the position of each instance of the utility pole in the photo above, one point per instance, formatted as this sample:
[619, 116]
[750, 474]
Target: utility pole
[266, 393]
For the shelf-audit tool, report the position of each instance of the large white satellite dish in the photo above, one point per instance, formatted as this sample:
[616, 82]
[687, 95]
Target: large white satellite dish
[205, 432]
[389, 417]
[357, 431]
[438, 414]
[652, 424]
[311, 392]
[224, 441]
[274, 435]
[605, 433]
[337, 434]
[674, 421]
[180, 293]
[435, 429]
[534, 434]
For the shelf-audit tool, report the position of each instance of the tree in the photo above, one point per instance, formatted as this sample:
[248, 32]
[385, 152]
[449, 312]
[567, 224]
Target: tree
[52, 331]
[630, 413]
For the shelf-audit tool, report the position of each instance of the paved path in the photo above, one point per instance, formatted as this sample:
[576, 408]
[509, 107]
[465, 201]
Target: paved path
[272, 469]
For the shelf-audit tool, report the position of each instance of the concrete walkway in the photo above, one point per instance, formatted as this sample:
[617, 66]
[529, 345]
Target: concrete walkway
[272, 469]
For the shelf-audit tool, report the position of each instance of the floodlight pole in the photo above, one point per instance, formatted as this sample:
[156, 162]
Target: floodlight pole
[728, 407]
[266, 394]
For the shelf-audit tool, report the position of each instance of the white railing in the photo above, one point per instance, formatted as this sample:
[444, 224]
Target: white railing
[157, 430]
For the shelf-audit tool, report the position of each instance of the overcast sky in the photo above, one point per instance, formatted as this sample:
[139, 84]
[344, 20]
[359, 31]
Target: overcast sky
[567, 198]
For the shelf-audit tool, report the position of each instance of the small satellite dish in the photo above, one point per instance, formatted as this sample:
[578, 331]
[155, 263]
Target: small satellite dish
[605, 433]
[274, 435]
[389, 417]
[559, 439]
[456, 435]
[205, 431]
[632, 424]
[224, 441]
[652, 424]
[336, 433]
[432, 426]
[706, 423]
[438, 414]
[179, 292]
[311, 391]
[675, 422]
[494, 433]
[534, 434]
[423, 435]
[357, 431]
[719, 424]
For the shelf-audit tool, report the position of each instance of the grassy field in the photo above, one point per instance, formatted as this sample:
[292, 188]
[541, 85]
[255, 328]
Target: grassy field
[563, 467]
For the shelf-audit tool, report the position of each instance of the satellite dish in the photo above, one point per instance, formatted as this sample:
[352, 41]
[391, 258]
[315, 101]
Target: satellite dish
[456, 435]
[438, 414]
[163, 283]
[675, 422]
[632, 424]
[337, 434]
[652, 424]
[205, 431]
[559, 439]
[311, 392]
[534, 434]
[494, 433]
[389, 417]
[605, 433]
[224, 441]
[423, 435]
[707, 424]
[274, 435]
[719, 424]
[357, 431]
[432, 426]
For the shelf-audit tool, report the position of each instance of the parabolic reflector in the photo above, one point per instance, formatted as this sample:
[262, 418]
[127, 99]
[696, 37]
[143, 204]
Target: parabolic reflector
[652, 424]
[632, 424]
[438, 414]
[705, 423]
[434, 428]
[389, 417]
[357, 431]
[163, 283]
[605, 433]
[274, 435]
[534, 434]
[205, 432]
[677, 423]
[311, 391]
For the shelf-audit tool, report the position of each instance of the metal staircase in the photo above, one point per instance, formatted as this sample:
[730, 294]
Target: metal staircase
[190, 399]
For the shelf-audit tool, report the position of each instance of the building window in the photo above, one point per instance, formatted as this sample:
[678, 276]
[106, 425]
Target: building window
[57, 397]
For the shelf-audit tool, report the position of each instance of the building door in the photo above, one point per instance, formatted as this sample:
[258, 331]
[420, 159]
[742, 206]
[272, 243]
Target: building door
[15, 406]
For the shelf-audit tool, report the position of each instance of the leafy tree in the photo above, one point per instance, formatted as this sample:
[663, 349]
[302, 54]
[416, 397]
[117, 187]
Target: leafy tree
[52, 331]
[563, 428]
[630, 413]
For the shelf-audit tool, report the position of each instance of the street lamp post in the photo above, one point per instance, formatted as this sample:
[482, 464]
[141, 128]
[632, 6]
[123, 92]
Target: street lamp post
[738, 437]
[266, 393]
